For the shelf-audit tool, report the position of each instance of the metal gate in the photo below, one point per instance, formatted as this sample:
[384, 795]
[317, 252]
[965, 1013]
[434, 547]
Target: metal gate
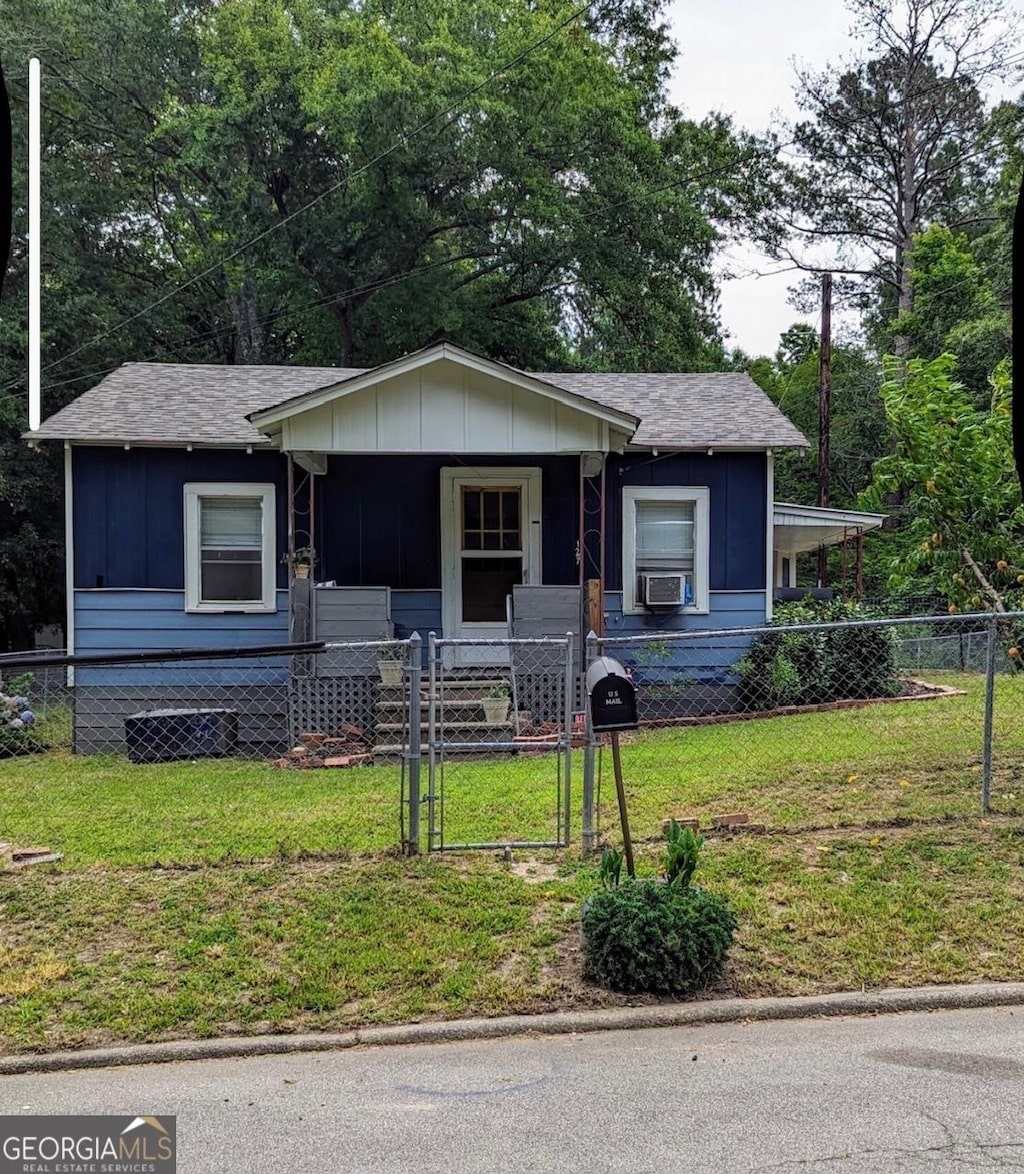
[497, 723]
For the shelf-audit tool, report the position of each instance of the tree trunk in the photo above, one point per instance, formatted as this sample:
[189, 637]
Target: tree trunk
[250, 333]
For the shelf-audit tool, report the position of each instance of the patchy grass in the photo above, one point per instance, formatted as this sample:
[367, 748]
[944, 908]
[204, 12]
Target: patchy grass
[208, 898]
[151, 954]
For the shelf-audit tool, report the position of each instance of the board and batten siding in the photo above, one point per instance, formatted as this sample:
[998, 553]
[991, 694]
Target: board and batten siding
[379, 520]
[446, 407]
[129, 510]
[738, 518]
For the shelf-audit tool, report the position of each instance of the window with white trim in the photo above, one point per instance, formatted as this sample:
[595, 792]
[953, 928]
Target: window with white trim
[229, 547]
[665, 532]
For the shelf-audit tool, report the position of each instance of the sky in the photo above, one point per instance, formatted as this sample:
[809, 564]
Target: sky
[737, 57]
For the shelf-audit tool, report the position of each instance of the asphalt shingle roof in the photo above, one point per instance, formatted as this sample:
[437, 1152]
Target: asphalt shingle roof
[173, 404]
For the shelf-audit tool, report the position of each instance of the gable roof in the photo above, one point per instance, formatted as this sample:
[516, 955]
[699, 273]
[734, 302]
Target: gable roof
[541, 385]
[175, 404]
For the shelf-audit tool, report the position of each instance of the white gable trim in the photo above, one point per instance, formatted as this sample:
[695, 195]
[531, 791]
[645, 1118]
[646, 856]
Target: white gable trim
[618, 421]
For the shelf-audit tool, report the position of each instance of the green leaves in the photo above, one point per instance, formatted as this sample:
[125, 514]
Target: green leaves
[645, 936]
[953, 464]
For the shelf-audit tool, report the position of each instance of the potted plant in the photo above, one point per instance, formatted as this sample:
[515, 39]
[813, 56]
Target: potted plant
[496, 704]
[391, 664]
[301, 561]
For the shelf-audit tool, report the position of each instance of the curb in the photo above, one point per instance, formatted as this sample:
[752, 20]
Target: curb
[883, 1002]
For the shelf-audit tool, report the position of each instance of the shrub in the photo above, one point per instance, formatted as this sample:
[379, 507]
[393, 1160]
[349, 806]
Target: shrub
[807, 668]
[16, 718]
[662, 938]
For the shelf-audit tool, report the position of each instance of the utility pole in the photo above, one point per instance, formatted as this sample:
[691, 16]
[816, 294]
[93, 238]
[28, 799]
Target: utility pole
[824, 409]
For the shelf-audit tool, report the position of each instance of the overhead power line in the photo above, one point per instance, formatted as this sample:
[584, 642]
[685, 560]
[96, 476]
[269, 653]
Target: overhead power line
[441, 116]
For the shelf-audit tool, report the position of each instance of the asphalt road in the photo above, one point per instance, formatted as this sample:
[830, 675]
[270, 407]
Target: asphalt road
[939, 1092]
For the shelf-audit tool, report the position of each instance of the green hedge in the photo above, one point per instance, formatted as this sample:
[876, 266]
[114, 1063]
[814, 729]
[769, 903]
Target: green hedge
[808, 668]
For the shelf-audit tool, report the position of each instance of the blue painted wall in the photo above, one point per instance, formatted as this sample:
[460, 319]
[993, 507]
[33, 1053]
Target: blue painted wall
[377, 524]
[738, 517]
[707, 659]
[416, 611]
[113, 621]
[379, 518]
[128, 510]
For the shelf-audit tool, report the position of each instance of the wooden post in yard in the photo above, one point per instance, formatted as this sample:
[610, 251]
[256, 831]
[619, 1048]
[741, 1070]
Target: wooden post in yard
[595, 607]
[620, 791]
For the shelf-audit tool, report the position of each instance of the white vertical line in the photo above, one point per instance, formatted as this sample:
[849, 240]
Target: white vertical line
[34, 399]
[69, 555]
[770, 535]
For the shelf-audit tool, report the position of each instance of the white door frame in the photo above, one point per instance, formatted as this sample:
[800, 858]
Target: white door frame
[528, 478]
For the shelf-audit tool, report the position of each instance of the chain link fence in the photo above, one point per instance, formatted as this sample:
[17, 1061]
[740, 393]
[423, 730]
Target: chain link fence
[286, 703]
[823, 722]
[790, 726]
[498, 719]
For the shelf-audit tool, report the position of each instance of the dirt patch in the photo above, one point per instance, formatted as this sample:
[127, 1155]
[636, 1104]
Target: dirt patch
[534, 872]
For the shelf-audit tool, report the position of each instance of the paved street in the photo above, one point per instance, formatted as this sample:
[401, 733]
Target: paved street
[940, 1092]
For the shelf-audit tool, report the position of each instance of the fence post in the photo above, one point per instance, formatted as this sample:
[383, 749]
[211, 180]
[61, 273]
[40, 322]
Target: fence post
[431, 739]
[570, 697]
[415, 682]
[990, 695]
[589, 758]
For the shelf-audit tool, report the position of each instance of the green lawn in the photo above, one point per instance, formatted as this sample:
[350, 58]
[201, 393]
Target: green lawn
[230, 897]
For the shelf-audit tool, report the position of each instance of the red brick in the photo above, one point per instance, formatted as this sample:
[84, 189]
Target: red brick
[692, 824]
[348, 760]
[730, 821]
[19, 854]
[312, 739]
[352, 733]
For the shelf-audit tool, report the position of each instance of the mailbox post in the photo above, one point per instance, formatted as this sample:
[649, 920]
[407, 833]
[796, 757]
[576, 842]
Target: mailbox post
[612, 700]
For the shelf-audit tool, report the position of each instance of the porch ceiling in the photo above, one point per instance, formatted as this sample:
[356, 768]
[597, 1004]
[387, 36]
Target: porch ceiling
[445, 401]
[798, 527]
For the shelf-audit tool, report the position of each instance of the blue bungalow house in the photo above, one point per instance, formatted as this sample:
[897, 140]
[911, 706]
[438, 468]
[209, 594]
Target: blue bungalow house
[430, 488]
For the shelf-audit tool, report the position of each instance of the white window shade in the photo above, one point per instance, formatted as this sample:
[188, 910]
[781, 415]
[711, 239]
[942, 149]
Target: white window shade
[231, 522]
[664, 532]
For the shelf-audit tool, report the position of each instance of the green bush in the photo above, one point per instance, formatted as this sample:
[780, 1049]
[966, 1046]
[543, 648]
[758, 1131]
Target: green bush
[662, 938]
[808, 668]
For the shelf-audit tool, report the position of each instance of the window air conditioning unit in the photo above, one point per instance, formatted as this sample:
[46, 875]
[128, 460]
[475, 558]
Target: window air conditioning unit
[664, 589]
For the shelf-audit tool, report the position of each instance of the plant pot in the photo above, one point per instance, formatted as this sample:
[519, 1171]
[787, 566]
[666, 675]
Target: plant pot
[495, 710]
[301, 570]
[391, 672]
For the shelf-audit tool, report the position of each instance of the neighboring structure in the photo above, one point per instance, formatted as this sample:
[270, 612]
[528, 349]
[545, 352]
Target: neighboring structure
[802, 528]
[428, 487]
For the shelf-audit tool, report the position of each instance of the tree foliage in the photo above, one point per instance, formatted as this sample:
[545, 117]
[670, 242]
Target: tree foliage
[961, 511]
[342, 181]
[897, 140]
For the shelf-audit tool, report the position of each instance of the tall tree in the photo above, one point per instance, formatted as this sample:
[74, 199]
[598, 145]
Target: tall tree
[893, 141]
[339, 181]
[963, 515]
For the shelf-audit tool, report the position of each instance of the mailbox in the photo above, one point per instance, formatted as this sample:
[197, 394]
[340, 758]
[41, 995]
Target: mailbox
[612, 697]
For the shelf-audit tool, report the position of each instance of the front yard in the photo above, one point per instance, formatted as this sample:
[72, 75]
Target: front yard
[228, 897]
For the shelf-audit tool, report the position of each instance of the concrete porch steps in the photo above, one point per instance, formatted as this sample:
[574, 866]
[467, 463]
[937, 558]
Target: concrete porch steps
[458, 713]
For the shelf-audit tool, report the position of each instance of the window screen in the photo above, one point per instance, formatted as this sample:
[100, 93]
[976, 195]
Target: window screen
[231, 549]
